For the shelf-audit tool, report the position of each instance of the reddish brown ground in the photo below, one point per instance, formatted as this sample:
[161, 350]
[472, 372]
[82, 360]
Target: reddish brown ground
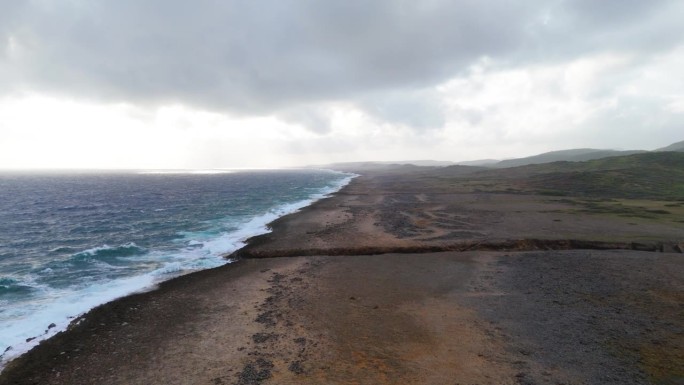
[524, 315]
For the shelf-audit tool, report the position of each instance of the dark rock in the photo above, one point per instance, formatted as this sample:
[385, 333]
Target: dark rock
[277, 277]
[255, 373]
[260, 338]
[296, 367]
[266, 318]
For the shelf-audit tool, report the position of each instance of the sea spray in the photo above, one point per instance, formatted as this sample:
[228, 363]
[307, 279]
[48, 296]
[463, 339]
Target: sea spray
[71, 242]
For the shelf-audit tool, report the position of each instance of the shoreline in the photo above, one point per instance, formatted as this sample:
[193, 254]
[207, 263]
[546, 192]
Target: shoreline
[429, 317]
[54, 326]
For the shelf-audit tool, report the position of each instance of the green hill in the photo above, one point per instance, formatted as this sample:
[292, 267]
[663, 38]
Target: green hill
[574, 155]
[657, 175]
[679, 146]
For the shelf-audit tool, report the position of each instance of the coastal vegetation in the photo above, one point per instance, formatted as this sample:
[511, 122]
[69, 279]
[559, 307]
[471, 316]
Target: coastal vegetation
[654, 176]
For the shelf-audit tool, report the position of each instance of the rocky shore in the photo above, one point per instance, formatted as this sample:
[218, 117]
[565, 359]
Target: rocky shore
[398, 280]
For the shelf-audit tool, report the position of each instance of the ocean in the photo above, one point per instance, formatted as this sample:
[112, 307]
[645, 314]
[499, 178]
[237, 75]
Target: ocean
[72, 241]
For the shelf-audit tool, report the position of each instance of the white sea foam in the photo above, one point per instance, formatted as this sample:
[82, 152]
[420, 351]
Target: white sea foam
[22, 327]
[130, 246]
[95, 250]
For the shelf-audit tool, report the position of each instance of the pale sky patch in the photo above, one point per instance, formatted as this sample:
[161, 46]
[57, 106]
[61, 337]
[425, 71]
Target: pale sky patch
[170, 84]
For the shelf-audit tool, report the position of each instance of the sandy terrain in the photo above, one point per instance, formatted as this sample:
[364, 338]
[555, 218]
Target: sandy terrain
[385, 213]
[518, 308]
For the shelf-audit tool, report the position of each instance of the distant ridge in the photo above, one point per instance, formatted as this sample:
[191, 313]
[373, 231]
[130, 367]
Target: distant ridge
[385, 164]
[679, 146]
[647, 175]
[423, 163]
[402, 167]
[574, 155]
[479, 162]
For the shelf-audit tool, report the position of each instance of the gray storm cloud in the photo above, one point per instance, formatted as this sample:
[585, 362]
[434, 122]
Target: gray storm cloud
[259, 57]
[250, 55]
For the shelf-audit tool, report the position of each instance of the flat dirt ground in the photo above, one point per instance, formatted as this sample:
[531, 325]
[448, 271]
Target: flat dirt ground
[469, 288]
[398, 212]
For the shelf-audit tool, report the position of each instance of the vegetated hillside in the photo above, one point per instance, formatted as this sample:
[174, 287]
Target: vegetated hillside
[658, 175]
[371, 167]
[393, 168]
[574, 155]
[479, 162]
[458, 170]
[385, 164]
[679, 146]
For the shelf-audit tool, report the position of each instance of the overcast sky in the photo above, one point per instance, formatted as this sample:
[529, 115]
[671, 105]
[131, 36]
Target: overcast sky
[254, 83]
